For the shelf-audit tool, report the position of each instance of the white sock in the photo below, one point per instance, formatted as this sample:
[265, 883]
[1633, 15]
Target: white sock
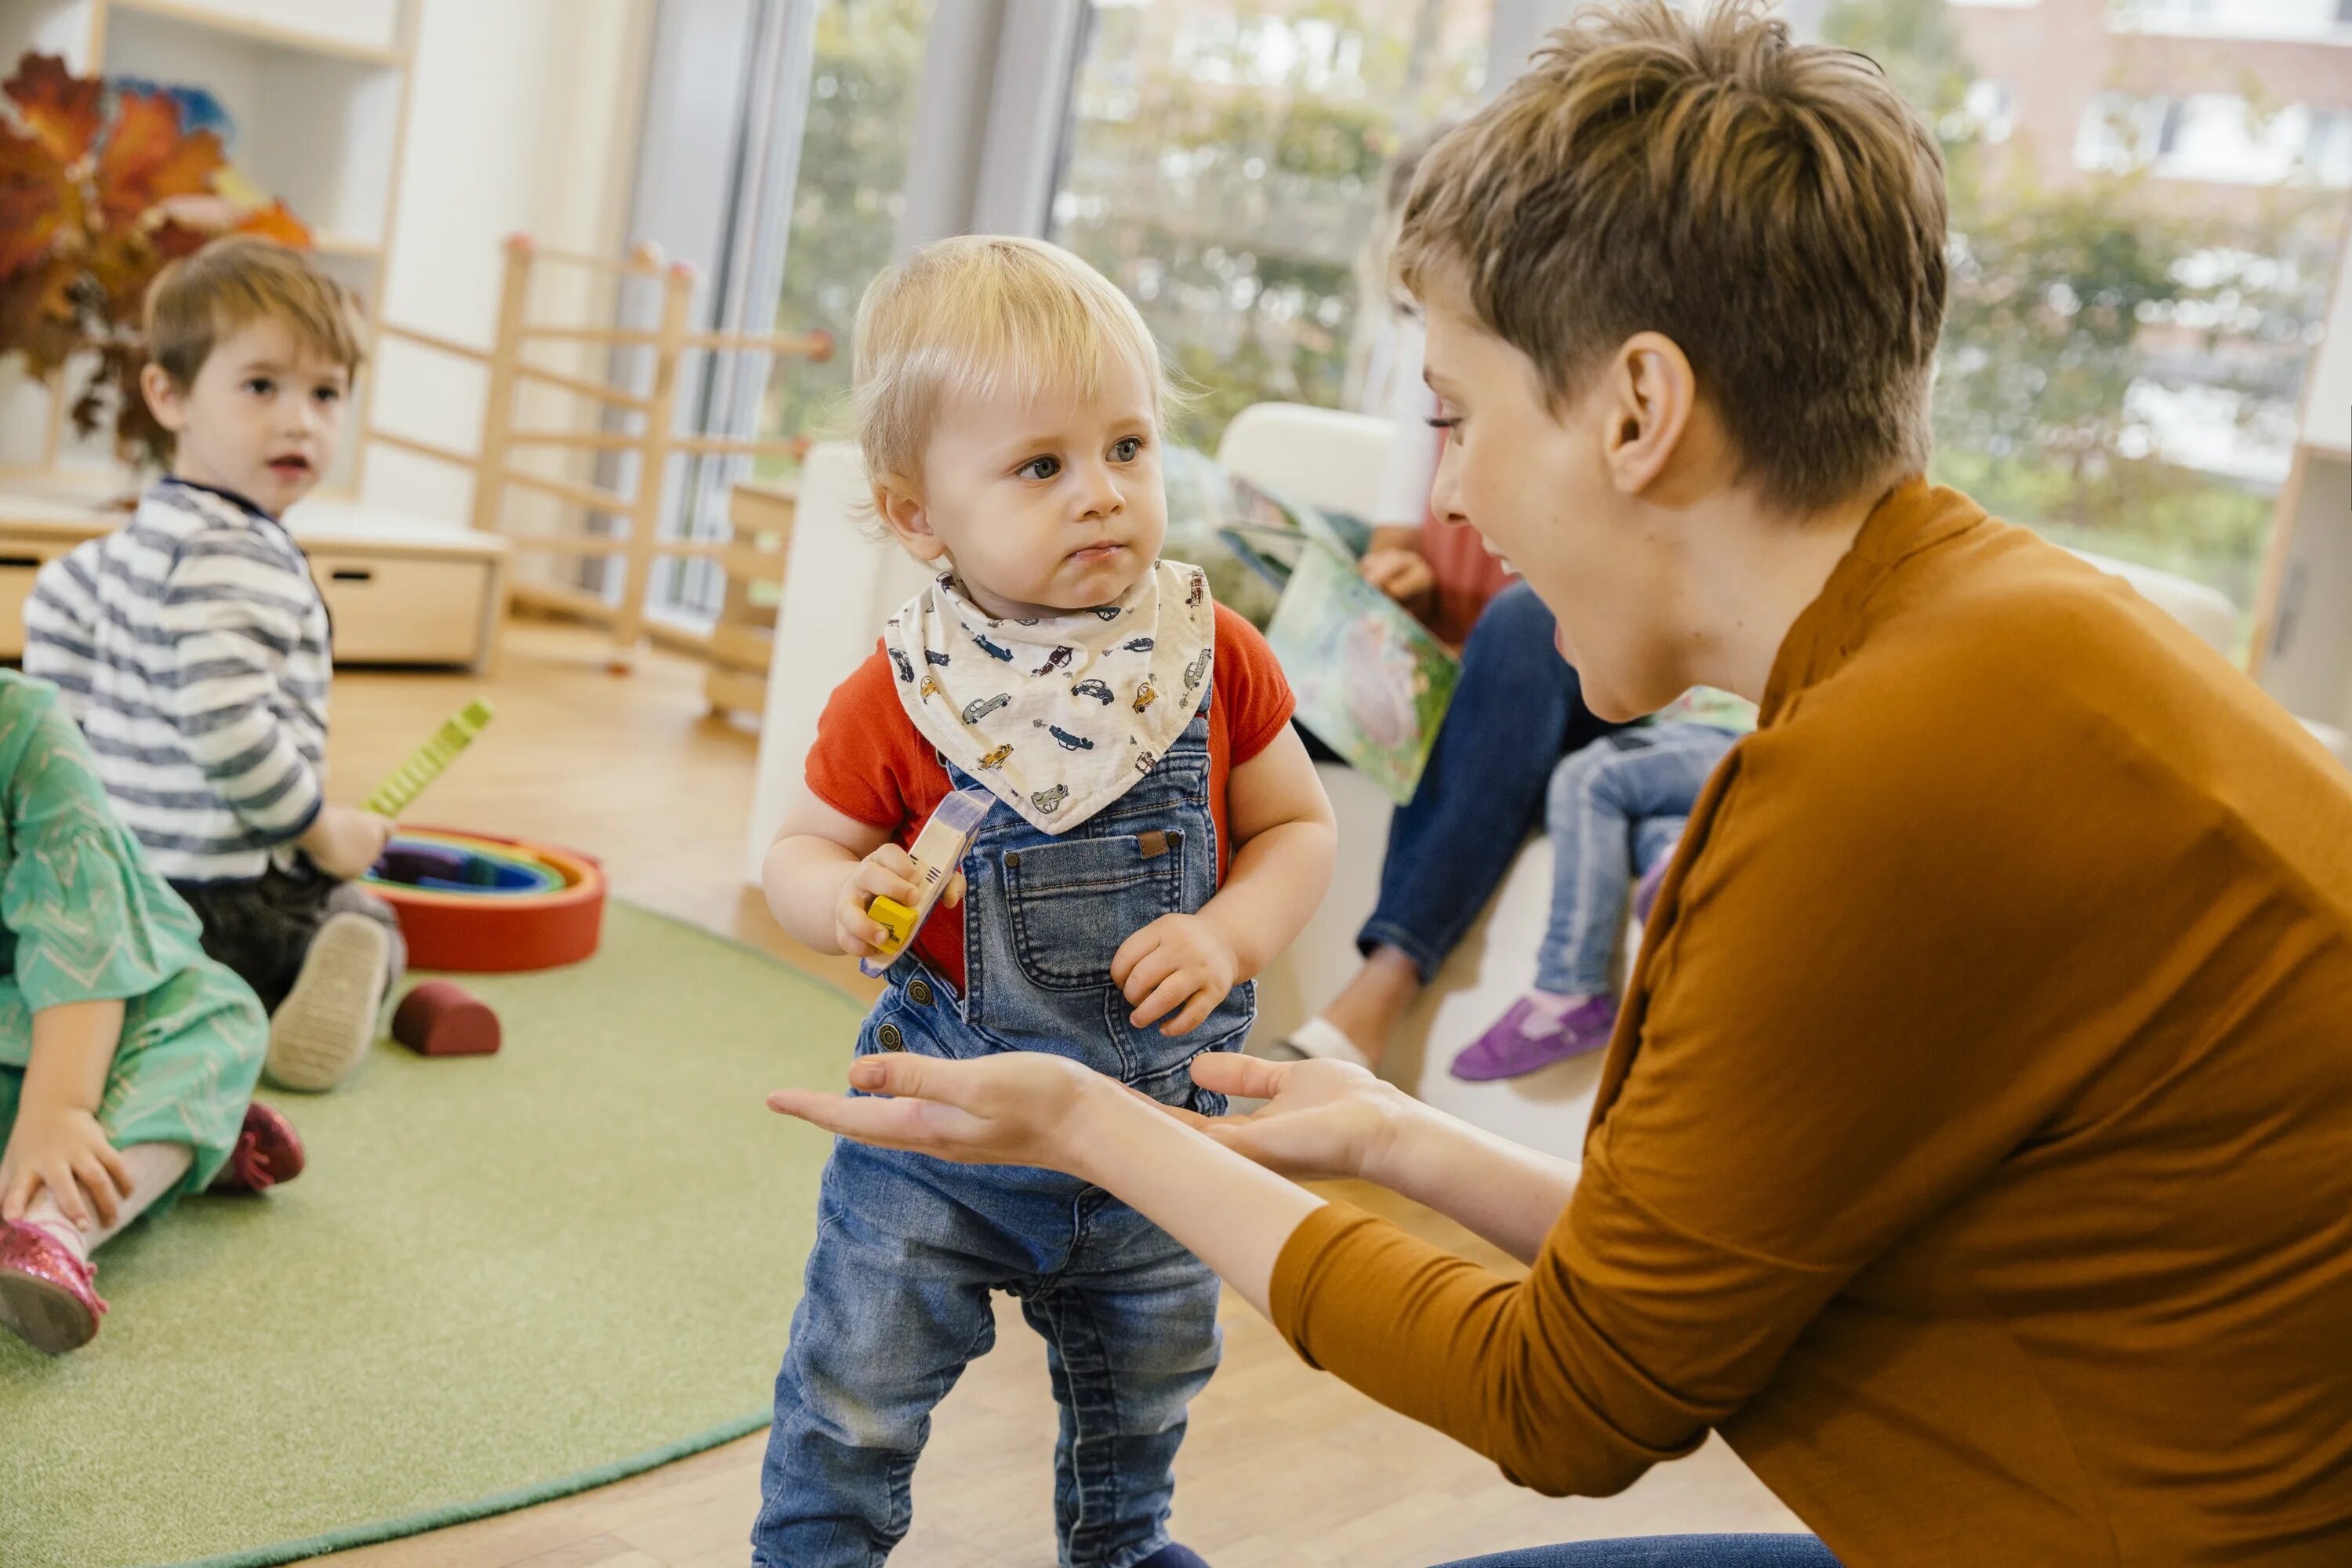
[1556, 1004]
[1323, 1039]
[155, 1168]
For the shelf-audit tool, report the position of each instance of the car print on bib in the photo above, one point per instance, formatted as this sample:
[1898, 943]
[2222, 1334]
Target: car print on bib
[974, 712]
[1096, 689]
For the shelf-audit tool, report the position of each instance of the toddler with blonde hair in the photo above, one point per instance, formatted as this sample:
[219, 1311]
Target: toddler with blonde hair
[1153, 833]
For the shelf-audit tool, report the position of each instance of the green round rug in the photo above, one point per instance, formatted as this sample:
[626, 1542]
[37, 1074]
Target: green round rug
[501, 1278]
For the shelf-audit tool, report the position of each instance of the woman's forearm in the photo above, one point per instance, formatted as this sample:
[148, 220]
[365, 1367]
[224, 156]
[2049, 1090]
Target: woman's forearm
[1233, 1213]
[1509, 1194]
[73, 1047]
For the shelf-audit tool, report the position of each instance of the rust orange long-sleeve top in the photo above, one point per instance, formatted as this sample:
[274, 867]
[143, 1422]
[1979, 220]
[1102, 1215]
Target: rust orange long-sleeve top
[1975, 1150]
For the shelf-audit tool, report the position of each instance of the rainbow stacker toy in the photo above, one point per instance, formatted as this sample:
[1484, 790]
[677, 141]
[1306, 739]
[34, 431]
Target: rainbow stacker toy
[429, 761]
[478, 902]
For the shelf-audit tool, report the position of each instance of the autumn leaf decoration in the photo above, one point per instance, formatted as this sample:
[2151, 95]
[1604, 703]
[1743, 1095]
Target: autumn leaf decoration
[99, 188]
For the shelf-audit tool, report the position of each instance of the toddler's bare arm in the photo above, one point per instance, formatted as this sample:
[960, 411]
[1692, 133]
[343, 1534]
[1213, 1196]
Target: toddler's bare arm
[822, 871]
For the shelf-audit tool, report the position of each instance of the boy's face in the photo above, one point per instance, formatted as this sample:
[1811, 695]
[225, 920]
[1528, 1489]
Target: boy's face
[260, 419]
[1050, 507]
[1533, 481]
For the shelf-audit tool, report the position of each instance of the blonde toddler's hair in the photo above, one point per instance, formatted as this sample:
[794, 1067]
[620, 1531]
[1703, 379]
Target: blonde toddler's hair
[984, 316]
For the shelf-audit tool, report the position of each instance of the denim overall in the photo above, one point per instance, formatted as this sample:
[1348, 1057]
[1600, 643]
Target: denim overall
[909, 1247]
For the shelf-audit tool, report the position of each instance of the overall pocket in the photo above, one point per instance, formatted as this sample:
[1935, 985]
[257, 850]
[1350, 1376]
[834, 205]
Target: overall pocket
[1071, 903]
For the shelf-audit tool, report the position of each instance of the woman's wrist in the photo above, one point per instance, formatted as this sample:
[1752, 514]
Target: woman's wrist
[1107, 1123]
[1409, 1136]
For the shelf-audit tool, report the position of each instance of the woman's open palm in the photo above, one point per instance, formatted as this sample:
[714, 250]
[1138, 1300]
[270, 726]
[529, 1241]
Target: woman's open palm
[1321, 1118]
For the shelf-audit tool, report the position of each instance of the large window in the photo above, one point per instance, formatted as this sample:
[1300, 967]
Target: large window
[2142, 236]
[846, 209]
[1223, 166]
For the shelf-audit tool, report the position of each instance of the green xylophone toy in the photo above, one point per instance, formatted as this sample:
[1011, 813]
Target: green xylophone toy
[428, 762]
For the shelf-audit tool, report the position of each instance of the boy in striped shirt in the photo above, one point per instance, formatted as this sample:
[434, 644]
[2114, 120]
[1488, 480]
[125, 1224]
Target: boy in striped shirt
[194, 649]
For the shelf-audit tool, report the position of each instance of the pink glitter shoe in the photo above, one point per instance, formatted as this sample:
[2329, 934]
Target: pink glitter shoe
[44, 1291]
[269, 1151]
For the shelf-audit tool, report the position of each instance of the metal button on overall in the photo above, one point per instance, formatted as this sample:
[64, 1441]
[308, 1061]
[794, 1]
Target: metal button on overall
[919, 991]
[888, 1038]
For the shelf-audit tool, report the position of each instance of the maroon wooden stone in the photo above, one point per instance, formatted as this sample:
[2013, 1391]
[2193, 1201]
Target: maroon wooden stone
[442, 1018]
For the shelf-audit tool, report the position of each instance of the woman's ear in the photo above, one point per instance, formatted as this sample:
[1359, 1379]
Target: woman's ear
[1652, 393]
[901, 508]
[166, 400]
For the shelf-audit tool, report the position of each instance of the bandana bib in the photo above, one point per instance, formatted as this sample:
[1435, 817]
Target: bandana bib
[1057, 717]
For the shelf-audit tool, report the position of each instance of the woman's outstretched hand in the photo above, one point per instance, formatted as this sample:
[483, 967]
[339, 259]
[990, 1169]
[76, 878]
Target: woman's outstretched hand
[1320, 1120]
[1020, 1108]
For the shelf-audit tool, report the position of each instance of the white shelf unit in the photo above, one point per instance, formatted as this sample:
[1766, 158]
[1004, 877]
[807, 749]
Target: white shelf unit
[317, 96]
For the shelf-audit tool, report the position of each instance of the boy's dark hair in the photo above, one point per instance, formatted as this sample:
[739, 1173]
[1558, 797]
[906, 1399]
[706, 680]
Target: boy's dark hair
[198, 299]
[1776, 211]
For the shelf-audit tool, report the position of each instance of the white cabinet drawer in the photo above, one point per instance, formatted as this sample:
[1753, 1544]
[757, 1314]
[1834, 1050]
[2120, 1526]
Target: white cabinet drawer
[403, 609]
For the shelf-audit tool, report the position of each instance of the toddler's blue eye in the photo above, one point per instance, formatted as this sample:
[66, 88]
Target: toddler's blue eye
[260, 387]
[1128, 450]
[1040, 467]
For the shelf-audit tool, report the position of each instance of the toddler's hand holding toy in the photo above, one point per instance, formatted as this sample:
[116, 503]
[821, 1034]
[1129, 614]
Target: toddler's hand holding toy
[887, 873]
[346, 841]
[1182, 964]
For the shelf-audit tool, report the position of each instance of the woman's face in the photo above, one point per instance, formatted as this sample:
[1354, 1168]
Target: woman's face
[1535, 482]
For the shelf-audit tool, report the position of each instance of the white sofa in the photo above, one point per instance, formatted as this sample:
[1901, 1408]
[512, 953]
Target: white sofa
[839, 587]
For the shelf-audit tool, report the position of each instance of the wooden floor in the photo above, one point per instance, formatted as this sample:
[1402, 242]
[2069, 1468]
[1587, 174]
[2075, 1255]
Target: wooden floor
[1283, 1464]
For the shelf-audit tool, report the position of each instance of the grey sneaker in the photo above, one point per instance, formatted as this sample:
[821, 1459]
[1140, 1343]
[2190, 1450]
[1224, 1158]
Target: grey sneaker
[322, 1030]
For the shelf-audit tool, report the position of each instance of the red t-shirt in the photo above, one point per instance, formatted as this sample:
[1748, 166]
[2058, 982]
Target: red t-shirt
[870, 763]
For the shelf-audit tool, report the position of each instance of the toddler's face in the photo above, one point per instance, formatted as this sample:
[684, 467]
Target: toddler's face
[261, 418]
[1052, 505]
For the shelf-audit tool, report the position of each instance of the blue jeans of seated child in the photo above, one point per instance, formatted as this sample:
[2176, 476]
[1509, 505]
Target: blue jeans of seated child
[910, 1248]
[1517, 709]
[1614, 807]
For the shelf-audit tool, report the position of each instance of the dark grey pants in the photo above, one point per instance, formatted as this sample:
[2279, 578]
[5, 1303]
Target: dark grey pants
[262, 927]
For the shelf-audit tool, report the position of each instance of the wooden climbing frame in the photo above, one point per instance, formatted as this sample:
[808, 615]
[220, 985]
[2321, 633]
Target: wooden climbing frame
[655, 442]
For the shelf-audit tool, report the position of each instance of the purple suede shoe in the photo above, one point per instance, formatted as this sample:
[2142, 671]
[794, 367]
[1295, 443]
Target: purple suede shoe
[1645, 891]
[1526, 1038]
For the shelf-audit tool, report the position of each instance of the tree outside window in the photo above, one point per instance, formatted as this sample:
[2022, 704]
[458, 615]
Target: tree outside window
[1223, 165]
[2126, 337]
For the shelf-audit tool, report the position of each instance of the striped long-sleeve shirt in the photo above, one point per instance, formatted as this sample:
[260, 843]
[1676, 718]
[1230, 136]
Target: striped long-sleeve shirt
[194, 650]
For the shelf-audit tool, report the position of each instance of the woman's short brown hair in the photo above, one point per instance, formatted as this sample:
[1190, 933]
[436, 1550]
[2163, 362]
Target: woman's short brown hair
[198, 299]
[1776, 211]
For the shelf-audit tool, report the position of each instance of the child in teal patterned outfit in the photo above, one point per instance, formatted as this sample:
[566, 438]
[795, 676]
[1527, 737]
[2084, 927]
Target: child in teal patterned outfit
[127, 1057]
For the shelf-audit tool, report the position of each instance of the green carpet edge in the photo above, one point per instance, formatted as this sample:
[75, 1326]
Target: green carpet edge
[447, 1514]
[466, 1512]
